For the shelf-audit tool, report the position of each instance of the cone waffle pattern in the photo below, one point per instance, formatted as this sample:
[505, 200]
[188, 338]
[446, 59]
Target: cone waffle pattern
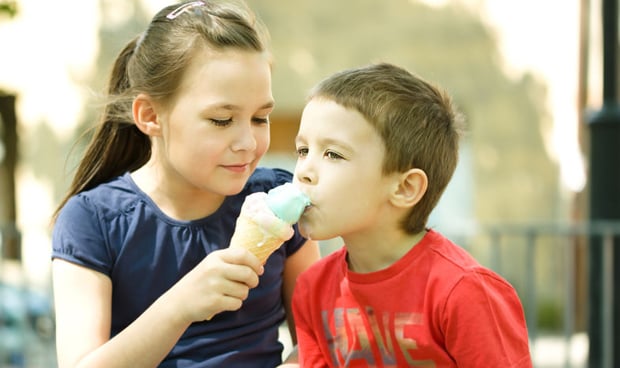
[251, 236]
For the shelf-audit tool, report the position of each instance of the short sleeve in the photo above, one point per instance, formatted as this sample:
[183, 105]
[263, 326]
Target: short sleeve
[78, 236]
[485, 324]
[282, 176]
[264, 179]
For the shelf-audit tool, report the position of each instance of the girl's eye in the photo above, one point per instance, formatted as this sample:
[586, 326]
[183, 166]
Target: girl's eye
[218, 122]
[333, 155]
[261, 120]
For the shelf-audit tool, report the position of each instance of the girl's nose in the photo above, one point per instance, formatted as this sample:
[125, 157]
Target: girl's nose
[246, 139]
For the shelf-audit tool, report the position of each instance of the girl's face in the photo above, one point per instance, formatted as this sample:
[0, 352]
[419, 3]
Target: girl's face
[339, 166]
[217, 128]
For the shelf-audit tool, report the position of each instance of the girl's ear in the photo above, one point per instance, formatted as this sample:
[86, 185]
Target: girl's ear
[145, 115]
[410, 189]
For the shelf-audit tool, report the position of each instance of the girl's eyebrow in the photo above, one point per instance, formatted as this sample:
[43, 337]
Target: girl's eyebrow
[231, 107]
[268, 105]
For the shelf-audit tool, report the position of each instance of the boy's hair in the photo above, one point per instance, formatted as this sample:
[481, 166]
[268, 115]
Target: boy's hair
[154, 63]
[416, 120]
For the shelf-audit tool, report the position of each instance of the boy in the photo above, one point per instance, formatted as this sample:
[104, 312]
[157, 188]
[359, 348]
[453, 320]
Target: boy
[376, 148]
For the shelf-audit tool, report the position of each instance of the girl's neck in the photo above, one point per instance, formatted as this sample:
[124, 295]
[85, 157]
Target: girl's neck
[176, 201]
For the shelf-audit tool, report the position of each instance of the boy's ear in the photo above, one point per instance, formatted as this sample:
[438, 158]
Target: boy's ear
[145, 115]
[410, 189]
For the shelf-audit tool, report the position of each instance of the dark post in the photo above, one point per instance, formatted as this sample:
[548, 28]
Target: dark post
[9, 235]
[605, 199]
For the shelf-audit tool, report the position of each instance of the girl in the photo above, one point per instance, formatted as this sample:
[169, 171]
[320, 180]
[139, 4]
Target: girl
[142, 272]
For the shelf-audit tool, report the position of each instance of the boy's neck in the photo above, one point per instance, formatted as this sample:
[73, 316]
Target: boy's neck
[371, 255]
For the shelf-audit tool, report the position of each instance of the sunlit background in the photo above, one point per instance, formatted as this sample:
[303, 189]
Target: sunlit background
[523, 71]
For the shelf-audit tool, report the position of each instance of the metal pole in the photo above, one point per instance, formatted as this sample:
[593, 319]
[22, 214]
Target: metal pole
[604, 183]
[9, 235]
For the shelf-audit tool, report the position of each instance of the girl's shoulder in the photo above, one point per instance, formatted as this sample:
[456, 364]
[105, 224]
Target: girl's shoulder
[116, 196]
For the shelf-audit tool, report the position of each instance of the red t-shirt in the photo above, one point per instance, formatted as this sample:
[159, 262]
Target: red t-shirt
[435, 307]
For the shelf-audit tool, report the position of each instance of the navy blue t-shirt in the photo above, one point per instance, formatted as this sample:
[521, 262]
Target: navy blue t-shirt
[117, 230]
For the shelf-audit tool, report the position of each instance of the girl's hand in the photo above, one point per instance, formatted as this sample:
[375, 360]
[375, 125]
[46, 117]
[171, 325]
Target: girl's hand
[221, 282]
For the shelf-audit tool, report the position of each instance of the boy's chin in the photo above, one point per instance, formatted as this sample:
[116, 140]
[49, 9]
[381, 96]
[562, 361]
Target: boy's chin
[310, 233]
[306, 230]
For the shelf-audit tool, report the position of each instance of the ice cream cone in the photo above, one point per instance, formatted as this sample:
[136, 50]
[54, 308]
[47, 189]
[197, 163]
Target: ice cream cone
[266, 220]
[255, 238]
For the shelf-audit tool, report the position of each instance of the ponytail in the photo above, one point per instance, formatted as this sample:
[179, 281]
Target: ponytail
[117, 145]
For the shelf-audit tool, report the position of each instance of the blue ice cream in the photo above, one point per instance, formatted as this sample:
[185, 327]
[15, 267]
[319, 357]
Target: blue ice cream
[287, 202]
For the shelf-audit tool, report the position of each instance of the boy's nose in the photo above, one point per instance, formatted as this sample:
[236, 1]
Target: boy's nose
[304, 172]
[305, 179]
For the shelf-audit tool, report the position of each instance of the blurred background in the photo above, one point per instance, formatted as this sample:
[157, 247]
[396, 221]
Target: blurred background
[530, 76]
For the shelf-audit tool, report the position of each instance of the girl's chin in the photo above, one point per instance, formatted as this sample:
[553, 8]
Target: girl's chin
[234, 187]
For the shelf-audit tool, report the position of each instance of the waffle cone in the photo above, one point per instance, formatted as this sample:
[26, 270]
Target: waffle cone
[251, 236]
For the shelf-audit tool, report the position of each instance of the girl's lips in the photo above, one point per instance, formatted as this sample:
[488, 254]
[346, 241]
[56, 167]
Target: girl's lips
[236, 168]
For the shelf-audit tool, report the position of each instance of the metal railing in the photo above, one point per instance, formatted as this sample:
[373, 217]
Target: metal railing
[550, 262]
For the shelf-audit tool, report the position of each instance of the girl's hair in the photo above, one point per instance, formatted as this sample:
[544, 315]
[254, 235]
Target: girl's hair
[153, 63]
[417, 122]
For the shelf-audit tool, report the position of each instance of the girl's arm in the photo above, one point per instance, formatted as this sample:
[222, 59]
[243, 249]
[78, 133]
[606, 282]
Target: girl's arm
[83, 300]
[296, 264]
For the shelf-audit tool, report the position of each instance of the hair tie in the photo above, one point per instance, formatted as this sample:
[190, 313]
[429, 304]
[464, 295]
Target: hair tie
[183, 8]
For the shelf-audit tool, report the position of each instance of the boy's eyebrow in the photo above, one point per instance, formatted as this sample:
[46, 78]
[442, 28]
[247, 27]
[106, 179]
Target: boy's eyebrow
[328, 141]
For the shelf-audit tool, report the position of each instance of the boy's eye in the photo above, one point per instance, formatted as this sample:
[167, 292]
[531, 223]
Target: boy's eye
[302, 151]
[221, 122]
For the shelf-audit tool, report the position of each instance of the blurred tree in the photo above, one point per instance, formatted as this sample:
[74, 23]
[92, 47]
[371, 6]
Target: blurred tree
[507, 173]
[513, 177]
[8, 8]
[121, 20]
[10, 237]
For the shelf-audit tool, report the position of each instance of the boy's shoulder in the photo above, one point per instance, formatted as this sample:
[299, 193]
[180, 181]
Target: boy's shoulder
[450, 252]
[451, 261]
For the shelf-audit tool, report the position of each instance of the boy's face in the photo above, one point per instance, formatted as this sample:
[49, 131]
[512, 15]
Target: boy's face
[339, 166]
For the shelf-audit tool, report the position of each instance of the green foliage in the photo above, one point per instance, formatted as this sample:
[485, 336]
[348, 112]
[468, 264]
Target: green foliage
[8, 7]
[550, 315]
